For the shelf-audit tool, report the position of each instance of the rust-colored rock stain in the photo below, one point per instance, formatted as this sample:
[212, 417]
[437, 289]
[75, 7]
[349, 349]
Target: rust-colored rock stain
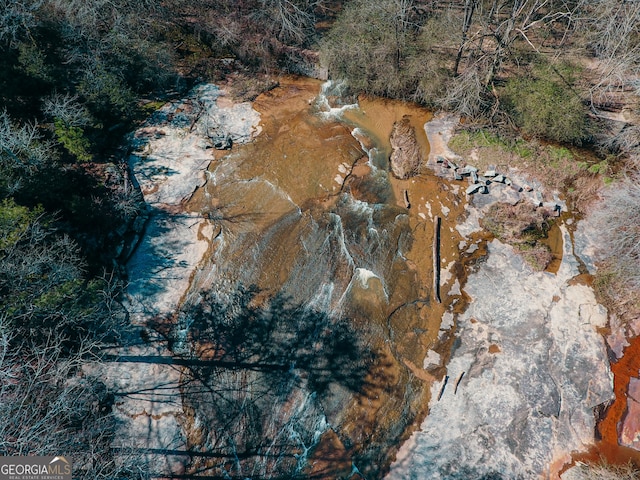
[609, 427]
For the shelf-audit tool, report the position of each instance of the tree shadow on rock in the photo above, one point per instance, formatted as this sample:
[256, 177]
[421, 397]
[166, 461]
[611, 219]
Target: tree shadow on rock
[256, 376]
[274, 335]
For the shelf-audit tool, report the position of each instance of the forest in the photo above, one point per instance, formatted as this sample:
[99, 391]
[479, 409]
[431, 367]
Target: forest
[77, 76]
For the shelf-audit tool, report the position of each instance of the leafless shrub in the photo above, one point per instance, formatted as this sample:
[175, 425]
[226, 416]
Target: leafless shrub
[16, 18]
[22, 146]
[612, 29]
[604, 472]
[289, 19]
[625, 140]
[465, 94]
[619, 217]
[585, 191]
[54, 323]
[68, 109]
[48, 405]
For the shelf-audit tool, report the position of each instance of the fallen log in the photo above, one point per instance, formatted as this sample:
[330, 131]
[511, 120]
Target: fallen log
[406, 199]
[444, 385]
[458, 383]
[436, 258]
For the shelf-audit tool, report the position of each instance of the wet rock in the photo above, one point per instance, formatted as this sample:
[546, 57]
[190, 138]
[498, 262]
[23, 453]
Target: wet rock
[148, 405]
[173, 167]
[169, 164]
[406, 156]
[439, 131]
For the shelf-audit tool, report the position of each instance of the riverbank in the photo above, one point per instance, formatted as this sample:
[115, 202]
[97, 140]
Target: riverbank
[170, 154]
[514, 398]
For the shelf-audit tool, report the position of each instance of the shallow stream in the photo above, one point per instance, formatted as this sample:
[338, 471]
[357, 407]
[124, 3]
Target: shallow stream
[309, 212]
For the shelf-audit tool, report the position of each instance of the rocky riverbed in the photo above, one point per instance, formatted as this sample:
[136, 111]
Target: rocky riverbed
[515, 400]
[284, 288]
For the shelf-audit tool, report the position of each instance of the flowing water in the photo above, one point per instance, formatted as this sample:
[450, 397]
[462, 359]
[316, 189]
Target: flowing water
[308, 219]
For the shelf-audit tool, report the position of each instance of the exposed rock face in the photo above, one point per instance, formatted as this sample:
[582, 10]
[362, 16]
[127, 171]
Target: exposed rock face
[630, 435]
[518, 394]
[169, 164]
[406, 156]
[148, 406]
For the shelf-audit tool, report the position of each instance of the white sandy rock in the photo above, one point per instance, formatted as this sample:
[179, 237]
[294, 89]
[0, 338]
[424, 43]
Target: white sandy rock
[529, 401]
[176, 154]
[169, 164]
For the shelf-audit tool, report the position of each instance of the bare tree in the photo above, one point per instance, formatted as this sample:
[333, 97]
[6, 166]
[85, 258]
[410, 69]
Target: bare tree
[465, 94]
[499, 24]
[291, 20]
[17, 18]
[613, 34]
[53, 323]
[68, 109]
[22, 146]
[469, 9]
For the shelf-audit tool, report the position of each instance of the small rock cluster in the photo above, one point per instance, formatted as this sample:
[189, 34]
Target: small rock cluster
[481, 183]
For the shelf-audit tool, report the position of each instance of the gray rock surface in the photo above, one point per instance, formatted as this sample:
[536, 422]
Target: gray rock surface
[148, 406]
[529, 367]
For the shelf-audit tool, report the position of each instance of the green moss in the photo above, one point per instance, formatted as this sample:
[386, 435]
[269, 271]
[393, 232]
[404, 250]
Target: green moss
[558, 154]
[537, 256]
[600, 168]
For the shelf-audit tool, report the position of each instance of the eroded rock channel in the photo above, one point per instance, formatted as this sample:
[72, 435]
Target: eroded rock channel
[285, 290]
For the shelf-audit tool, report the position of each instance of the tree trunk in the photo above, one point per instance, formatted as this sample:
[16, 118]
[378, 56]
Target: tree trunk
[469, 8]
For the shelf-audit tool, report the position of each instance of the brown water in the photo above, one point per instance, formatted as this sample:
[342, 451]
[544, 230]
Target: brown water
[309, 211]
[555, 242]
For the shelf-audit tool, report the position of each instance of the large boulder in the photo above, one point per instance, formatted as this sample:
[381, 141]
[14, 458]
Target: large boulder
[406, 155]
